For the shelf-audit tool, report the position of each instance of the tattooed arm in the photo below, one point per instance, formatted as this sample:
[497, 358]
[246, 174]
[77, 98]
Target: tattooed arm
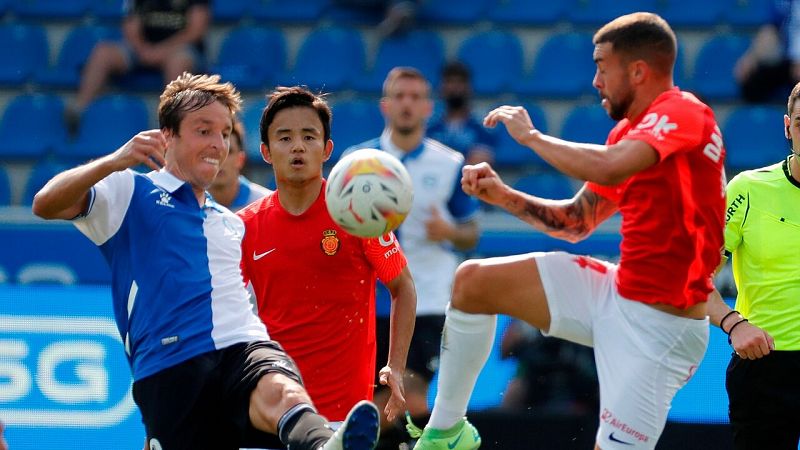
[571, 220]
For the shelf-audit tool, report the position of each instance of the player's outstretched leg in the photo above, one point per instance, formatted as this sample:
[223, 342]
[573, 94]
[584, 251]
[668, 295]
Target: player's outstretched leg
[461, 436]
[359, 431]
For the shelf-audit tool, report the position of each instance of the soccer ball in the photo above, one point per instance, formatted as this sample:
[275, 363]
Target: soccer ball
[369, 193]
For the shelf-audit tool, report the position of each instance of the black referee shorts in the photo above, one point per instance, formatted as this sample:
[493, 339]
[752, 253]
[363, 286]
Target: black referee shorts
[764, 399]
[203, 403]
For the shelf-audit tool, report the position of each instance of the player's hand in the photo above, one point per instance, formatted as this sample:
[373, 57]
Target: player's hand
[483, 182]
[148, 148]
[516, 119]
[437, 228]
[397, 401]
[751, 342]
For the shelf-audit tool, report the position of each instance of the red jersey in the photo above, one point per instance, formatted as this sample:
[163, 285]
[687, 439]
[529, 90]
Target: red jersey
[315, 290]
[673, 213]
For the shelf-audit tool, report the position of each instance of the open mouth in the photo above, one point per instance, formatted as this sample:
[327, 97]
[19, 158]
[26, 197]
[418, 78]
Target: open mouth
[297, 162]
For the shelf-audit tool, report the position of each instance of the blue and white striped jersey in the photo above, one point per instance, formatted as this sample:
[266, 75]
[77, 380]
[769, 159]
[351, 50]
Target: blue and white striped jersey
[177, 287]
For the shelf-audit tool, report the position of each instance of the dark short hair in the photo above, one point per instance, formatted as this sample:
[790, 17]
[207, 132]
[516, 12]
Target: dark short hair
[191, 92]
[641, 35]
[291, 97]
[456, 69]
[403, 72]
[792, 99]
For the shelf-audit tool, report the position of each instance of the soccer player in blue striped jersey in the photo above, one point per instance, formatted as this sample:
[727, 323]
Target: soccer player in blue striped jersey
[206, 375]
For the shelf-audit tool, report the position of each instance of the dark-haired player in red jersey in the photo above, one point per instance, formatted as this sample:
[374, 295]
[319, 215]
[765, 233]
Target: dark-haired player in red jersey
[314, 284]
[662, 169]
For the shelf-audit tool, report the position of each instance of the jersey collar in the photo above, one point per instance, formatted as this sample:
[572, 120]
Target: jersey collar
[165, 180]
[789, 176]
[397, 152]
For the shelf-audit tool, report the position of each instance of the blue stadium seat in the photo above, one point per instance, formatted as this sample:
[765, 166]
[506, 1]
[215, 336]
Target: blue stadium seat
[329, 58]
[754, 137]
[38, 177]
[251, 118]
[563, 67]
[5, 188]
[141, 80]
[713, 71]
[508, 153]
[495, 60]
[692, 13]
[354, 122]
[24, 51]
[282, 11]
[50, 9]
[598, 12]
[527, 12]
[74, 54]
[251, 57]
[106, 124]
[744, 13]
[111, 10]
[587, 123]
[229, 10]
[421, 49]
[550, 185]
[32, 125]
[452, 11]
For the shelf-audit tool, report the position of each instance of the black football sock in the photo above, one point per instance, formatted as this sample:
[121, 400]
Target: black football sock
[301, 428]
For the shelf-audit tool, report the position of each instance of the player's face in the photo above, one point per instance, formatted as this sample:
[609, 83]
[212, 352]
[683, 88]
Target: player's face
[407, 105]
[297, 147]
[197, 151]
[230, 169]
[612, 81]
[792, 123]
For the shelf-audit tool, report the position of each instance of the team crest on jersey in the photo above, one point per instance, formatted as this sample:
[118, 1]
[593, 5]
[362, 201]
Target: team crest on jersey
[330, 243]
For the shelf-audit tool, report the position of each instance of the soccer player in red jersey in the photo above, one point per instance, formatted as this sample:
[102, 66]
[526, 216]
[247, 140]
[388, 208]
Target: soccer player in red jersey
[662, 169]
[314, 283]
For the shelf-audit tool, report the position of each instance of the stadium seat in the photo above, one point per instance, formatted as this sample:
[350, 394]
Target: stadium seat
[282, 11]
[38, 177]
[73, 55]
[587, 123]
[527, 12]
[329, 58]
[747, 13]
[251, 57]
[693, 13]
[5, 188]
[49, 9]
[114, 10]
[598, 12]
[713, 71]
[452, 11]
[563, 67]
[251, 118]
[421, 49]
[106, 124]
[754, 137]
[508, 153]
[32, 125]
[229, 10]
[495, 60]
[354, 122]
[23, 52]
[141, 80]
[550, 185]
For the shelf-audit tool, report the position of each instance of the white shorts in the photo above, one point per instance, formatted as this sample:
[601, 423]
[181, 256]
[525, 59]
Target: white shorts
[643, 355]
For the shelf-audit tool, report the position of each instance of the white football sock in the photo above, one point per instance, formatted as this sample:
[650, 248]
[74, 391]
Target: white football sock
[466, 343]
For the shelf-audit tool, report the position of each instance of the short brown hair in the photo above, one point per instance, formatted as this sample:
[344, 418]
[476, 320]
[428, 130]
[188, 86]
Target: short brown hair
[191, 92]
[641, 35]
[290, 97]
[792, 99]
[403, 72]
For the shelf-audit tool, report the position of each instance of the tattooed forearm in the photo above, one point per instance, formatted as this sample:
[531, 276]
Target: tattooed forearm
[571, 220]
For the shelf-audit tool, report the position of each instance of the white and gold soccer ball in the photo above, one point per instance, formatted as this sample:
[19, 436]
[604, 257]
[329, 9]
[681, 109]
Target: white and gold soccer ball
[369, 193]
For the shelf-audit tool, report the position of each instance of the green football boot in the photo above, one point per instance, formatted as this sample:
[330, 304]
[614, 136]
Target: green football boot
[461, 436]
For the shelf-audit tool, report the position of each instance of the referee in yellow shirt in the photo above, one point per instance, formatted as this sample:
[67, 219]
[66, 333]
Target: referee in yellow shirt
[762, 233]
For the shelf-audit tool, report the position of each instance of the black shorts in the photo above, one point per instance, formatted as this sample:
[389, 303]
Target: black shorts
[203, 403]
[423, 354]
[764, 399]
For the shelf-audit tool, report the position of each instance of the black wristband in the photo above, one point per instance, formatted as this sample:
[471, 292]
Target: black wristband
[734, 326]
[733, 311]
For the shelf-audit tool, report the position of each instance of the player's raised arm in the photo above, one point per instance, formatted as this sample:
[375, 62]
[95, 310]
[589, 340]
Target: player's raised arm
[570, 219]
[67, 194]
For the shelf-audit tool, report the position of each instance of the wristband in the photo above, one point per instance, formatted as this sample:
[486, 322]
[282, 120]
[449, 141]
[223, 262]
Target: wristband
[734, 326]
[733, 311]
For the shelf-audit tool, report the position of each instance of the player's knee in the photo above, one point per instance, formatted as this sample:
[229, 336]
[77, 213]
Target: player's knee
[467, 288]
